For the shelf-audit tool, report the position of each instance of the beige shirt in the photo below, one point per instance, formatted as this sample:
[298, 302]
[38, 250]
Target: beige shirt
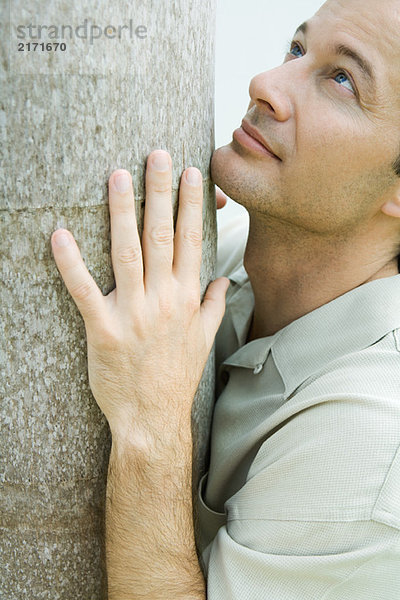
[302, 498]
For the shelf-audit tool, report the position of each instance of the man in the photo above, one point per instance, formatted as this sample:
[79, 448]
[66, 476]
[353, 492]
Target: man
[302, 496]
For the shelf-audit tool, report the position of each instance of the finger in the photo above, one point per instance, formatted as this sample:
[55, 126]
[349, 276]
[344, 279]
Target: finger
[126, 251]
[222, 199]
[80, 284]
[189, 229]
[158, 225]
[213, 308]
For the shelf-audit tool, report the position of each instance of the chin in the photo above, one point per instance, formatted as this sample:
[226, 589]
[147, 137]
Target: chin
[218, 165]
[242, 182]
[226, 172]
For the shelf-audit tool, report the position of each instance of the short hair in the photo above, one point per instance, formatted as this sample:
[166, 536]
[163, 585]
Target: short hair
[396, 169]
[396, 166]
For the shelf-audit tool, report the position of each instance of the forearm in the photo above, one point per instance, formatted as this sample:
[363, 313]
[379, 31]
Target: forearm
[148, 343]
[150, 543]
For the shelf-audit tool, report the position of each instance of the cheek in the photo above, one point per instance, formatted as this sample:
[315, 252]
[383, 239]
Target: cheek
[335, 177]
[334, 197]
[339, 142]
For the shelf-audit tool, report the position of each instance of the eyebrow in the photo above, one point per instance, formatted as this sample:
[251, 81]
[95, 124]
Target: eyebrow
[303, 28]
[343, 50]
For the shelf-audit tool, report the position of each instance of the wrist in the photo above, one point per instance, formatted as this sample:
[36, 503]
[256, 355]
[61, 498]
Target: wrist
[149, 437]
[168, 451]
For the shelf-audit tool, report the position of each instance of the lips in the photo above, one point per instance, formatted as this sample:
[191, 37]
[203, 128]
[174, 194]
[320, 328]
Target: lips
[257, 136]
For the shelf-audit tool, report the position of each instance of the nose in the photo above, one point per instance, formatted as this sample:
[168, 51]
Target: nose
[269, 92]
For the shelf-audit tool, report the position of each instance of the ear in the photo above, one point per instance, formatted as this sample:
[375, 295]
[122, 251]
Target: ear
[392, 208]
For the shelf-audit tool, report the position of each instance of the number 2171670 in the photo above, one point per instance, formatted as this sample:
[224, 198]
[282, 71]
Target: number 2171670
[41, 46]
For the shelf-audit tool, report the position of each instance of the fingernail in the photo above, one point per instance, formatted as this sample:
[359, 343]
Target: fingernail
[61, 239]
[122, 182]
[160, 161]
[193, 176]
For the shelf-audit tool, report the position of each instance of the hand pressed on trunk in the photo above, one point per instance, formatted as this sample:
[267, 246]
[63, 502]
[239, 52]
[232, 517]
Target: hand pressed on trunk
[149, 339]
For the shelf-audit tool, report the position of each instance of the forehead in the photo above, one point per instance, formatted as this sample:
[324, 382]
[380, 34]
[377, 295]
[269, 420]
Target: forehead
[372, 26]
[372, 22]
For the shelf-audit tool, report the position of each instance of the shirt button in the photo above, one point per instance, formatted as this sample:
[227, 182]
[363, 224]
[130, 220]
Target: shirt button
[258, 369]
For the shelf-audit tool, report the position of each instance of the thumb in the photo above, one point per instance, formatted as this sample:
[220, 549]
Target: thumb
[221, 197]
[212, 308]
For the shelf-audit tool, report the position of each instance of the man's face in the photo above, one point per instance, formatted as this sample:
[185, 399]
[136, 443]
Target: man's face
[335, 130]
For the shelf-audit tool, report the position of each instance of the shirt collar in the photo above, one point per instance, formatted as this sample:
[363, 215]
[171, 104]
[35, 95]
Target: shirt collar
[347, 324]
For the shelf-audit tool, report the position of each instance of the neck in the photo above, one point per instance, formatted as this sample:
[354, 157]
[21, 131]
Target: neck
[293, 272]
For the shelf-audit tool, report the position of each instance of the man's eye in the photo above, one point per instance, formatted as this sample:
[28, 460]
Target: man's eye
[340, 77]
[294, 49]
[345, 79]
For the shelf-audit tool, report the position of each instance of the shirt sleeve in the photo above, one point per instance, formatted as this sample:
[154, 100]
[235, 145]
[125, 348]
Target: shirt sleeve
[318, 517]
[304, 561]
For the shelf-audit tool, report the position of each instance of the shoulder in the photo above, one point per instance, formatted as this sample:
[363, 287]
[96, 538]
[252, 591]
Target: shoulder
[334, 456]
[374, 371]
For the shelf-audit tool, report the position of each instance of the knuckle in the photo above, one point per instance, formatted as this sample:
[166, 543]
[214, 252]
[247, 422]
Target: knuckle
[108, 340]
[193, 301]
[162, 234]
[165, 305]
[161, 187]
[129, 255]
[194, 198]
[190, 298]
[194, 237]
[81, 291]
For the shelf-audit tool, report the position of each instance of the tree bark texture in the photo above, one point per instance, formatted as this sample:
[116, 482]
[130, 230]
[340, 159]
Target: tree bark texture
[67, 121]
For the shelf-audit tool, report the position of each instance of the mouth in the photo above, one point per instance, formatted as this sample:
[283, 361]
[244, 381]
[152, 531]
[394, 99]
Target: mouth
[250, 137]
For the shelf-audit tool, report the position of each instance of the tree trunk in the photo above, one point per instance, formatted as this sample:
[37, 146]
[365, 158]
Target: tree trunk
[69, 118]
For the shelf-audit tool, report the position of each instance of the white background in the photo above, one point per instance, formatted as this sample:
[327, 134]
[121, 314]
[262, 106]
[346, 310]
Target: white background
[251, 37]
